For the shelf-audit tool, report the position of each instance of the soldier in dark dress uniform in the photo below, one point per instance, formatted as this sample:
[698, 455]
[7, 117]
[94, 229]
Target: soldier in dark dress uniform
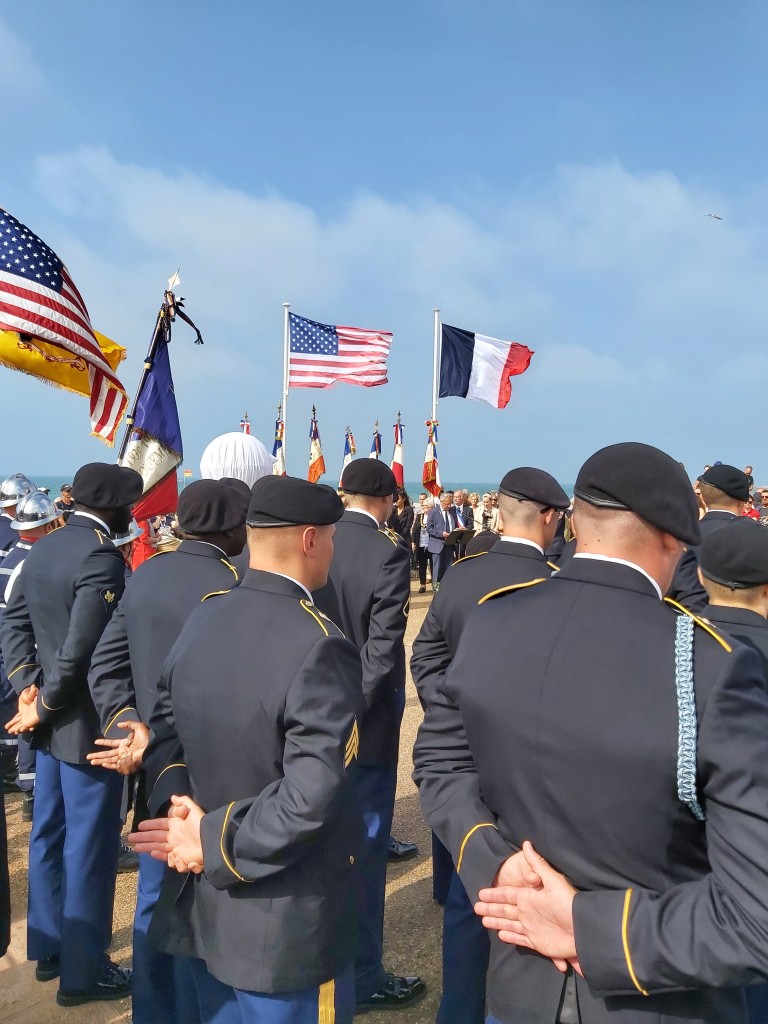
[123, 678]
[370, 591]
[724, 490]
[628, 741]
[61, 603]
[258, 722]
[531, 504]
[733, 568]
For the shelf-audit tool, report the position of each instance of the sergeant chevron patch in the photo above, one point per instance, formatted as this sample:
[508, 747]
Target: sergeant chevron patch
[353, 745]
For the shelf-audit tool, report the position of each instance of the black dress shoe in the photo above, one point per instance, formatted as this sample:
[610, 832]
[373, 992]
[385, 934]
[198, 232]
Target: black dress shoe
[398, 851]
[47, 969]
[395, 994]
[128, 859]
[114, 983]
[27, 806]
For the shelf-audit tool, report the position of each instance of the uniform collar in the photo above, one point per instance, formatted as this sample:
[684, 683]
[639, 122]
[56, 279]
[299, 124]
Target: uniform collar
[608, 572]
[73, 521]
[720, 513]
[275, 583]
[202, 547]
[522, 541]
[361, 517]
[728, 615]
[622, 561]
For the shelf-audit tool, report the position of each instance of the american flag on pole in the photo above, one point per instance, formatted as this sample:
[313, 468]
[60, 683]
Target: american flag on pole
[40, 303]
[321, 355]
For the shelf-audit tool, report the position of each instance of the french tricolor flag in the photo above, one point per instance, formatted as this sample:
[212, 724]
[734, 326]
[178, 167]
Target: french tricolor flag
[476, 366]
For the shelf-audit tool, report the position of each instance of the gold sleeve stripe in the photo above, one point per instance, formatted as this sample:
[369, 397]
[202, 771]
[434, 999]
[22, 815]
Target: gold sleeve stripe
[221, 844]
[29, 664]
[508, 590]
[700, 622]
[178, 764]
[47, 708]
[483, 824]
[326, 1003]
[117, 715]
[230, 566]
[465, 558]
[625, 943]
[214, 593]
[308, 608]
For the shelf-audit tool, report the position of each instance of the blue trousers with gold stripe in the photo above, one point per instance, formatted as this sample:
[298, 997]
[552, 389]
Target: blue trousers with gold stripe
[331, 1003]
[73, 852]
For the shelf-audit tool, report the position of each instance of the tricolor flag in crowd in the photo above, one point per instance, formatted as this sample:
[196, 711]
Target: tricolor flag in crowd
[397, 456]
[349, 451]
[375, 452]
[430, 476]
[277, 448]
[476, 366]
[316, 460]
[45, 329]
[321, 355]
[245, 424]
[154, 447]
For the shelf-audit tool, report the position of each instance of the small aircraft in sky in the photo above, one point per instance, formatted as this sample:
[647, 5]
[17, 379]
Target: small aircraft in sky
[714, 216]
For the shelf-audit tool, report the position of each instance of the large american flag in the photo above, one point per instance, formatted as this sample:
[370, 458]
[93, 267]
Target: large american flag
[38, 298]
[321, 355]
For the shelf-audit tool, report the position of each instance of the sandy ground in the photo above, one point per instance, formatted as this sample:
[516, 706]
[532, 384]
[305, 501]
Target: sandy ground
[413, 921]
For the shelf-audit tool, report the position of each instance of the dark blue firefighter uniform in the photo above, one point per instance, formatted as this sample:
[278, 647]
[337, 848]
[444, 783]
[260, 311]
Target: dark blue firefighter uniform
[123, 678]
[370, 577]
[558, 722]
[257, 721]
[466, 946]
[70, 586]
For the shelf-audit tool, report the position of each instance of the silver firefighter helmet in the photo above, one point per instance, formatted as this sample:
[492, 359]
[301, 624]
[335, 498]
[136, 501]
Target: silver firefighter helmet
[14, 487]
[33, 510]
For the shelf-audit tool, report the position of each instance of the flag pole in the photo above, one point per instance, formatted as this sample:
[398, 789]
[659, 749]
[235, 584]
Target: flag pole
[286, 357]
[436, 364]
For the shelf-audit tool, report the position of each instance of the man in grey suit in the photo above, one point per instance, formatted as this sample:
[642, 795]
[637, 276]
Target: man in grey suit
[441, 521]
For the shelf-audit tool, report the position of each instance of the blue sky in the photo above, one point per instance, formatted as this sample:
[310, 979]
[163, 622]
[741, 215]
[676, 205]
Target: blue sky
[540, 171]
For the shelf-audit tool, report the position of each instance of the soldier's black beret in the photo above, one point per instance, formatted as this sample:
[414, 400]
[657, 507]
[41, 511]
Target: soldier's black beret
[105, 485]
[241, 488]
[370, 477]
[642, 479]
[210, 506]
[728, 479]
[534, 485]
[289, 501]
[736, 554]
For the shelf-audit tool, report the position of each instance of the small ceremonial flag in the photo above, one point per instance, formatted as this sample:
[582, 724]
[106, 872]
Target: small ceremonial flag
[321, 355]
[277, 448]
[430, 477]
[349, 451]
[397, 457]
[45, 329]
[154, 448]
[245, 424]
[187, 473]
[478, 367]
[316, 460]
[375, 452]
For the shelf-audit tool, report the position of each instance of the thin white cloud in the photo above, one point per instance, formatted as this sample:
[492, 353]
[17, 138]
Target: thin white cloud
[19, 73]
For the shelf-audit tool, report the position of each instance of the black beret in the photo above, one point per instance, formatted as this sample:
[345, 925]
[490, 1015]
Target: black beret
[728, 479]
[240, 487]
[210, 506]
[736, 554]
[105, 485]
[642, 479]
[370, 477]
[534, 485]
[289, 501]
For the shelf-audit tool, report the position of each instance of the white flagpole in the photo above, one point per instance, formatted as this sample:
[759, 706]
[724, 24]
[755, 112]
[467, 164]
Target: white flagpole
[436, 365]
[286, 357]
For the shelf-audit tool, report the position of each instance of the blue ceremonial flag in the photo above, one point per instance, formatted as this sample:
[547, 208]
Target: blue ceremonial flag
[155, 448]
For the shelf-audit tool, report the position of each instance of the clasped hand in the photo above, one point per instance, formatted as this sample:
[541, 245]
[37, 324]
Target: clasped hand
[122, 756]
[26, 718]
[174, 839]
[531, 905]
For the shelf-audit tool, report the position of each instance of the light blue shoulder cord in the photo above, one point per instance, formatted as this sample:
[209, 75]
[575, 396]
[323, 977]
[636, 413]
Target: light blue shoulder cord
[686, 716]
